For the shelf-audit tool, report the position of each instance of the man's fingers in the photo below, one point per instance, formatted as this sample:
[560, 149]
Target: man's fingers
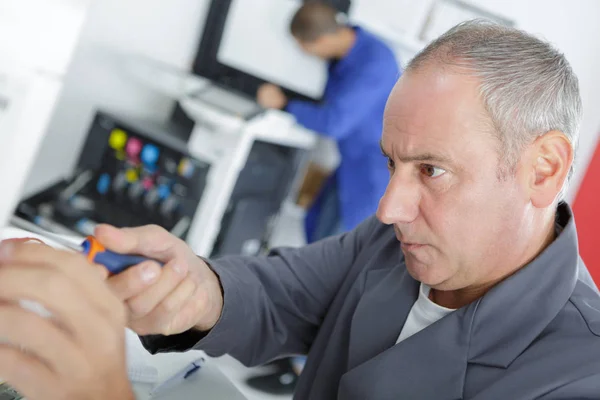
[163, 318]
[68, 303]
[171, 276]
[74, 264]
[150, 241]
[133, 281]
[41, 337]
[101, 271]
[75, 350]
[117, 239]
[20, 370]
[74, 267]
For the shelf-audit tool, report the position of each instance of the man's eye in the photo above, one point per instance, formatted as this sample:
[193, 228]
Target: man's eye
[390, 163]
[431, 171]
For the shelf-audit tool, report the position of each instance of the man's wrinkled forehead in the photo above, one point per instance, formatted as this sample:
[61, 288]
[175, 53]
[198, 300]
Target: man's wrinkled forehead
[434, 79]
[436, 109]
[436, 99]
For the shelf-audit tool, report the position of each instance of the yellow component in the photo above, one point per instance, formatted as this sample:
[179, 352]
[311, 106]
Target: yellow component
[120, 155]
[183, 166]
[186, 168]
[117, 139]
[131, 175]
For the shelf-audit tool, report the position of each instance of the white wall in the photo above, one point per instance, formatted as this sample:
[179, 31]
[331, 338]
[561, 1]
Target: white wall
[166, 30]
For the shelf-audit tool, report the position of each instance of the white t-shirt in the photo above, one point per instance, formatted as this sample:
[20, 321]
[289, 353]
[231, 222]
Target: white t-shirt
[422, 314]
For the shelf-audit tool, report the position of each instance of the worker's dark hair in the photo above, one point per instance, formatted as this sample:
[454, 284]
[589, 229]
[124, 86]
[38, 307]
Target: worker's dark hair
[313, 20]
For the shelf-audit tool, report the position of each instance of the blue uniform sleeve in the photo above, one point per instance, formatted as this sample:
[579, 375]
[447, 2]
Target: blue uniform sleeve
[347, 108]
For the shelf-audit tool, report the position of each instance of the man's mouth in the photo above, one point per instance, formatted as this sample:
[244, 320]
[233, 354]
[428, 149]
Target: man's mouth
[408, 245]
[411, 246]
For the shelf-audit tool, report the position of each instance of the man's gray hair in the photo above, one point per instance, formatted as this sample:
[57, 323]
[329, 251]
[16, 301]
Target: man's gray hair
[527, 86]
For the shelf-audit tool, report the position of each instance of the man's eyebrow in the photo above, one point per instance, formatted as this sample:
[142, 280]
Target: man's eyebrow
[424, 157]
[382, 149]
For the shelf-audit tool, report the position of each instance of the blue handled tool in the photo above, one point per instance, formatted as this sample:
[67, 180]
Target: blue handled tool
[91, 248]
[114, 262]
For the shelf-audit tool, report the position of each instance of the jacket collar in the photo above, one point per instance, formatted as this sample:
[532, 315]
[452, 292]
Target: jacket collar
[491, 331]
[511, 315]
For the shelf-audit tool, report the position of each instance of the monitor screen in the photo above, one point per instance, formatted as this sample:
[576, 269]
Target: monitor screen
[257, 40]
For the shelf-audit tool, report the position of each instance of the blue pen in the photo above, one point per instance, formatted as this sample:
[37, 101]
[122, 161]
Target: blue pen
[195, 367]
[179, 377]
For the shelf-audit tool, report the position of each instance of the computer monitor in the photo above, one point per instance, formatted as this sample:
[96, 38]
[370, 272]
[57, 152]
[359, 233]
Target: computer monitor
[264, 29]
[265, 26]
[257, 40]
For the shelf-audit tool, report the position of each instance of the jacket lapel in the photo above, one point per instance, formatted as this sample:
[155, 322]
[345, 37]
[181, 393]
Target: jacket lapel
[379, 368]
[386, 300]
[492, 331]
[429, 365]
[528, 300]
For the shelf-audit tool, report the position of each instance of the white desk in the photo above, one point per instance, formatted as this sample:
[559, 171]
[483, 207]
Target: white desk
[208, 383]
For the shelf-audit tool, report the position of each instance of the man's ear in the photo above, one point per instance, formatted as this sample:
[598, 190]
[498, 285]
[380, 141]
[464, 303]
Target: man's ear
[551, 160]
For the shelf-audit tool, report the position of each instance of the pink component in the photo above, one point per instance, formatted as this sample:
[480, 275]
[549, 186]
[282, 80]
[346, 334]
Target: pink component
[134, 147]
[148, 183]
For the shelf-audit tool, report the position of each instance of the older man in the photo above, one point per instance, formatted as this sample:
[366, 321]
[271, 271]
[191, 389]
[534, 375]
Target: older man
[467, 285]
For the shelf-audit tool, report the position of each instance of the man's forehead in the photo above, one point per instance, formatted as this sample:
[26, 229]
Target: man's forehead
[413, 145]
[410, 134]
[419, 154]
[434, 86]
[436, 97]
[434, 112]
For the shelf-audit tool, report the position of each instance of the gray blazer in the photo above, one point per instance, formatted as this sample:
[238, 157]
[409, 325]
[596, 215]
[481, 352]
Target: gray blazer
[343, 301]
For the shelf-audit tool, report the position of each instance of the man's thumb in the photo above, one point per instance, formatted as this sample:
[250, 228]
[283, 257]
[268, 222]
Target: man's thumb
[116, 239]
[148, 241]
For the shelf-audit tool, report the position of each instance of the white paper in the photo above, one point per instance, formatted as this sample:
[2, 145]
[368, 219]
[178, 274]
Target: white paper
[256, 40]
[156, 369]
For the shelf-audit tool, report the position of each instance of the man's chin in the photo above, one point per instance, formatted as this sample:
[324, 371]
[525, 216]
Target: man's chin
[419, 271]
[428, 274]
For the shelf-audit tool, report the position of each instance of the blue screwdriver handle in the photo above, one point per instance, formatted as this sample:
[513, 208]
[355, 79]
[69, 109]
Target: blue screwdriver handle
[114, 262]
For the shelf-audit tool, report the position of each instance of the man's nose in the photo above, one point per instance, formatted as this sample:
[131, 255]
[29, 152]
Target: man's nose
[400, 202]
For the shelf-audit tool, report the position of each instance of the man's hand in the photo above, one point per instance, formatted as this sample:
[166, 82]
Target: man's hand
[271, 96]
[184, 294]
[76, 353]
